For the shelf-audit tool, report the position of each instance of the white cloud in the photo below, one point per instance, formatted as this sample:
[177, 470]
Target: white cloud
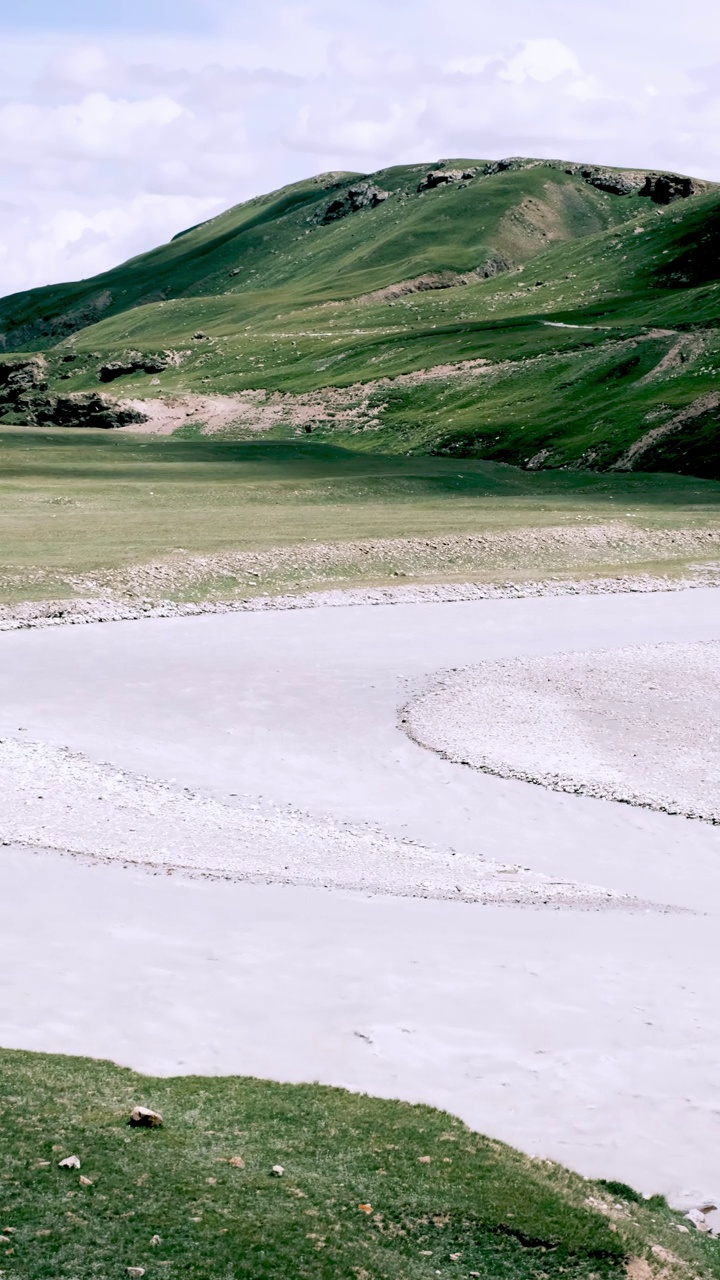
[541, 60]
[109, 144]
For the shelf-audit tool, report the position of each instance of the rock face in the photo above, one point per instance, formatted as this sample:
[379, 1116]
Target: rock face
[23, 385]
[663, 188]
[87, 410]
[444, 177]
[611, 180]
[362, 195]
[24, 393]
[134, 363]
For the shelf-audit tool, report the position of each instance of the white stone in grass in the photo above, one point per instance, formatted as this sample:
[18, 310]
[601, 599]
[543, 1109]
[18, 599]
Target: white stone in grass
[277, 1170]
[70, 1162]
[135, 1271]
[698, 1219]
[144, 1118]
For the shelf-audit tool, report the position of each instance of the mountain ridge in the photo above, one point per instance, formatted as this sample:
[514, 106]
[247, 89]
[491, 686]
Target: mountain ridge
[535, 267]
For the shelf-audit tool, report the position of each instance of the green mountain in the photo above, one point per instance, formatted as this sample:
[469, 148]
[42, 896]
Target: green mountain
[535, 312]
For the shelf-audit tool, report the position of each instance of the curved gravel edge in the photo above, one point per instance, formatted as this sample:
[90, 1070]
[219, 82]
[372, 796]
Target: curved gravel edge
[76, 612]
[61, 801]
[569, 785]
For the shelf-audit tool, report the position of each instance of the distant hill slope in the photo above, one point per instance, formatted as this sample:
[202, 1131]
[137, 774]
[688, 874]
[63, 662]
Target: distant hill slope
[537, 312]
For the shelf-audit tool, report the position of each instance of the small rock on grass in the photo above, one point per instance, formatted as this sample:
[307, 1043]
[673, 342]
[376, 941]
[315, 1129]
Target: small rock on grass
[156, 1240]
[85, 1182]
[277, 1170]
[144, 1118]
[135, 1271]
[70, 1162]
[698, 1220]
[237, 1162]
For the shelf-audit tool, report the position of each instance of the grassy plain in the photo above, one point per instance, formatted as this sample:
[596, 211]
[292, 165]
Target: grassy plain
[78, 508]
[371, 1189]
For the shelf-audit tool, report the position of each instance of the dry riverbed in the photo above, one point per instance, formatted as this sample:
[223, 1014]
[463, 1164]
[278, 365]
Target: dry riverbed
[222, 854]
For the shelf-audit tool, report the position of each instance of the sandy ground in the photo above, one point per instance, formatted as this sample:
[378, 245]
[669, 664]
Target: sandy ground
[588, 1036]
[638, 725]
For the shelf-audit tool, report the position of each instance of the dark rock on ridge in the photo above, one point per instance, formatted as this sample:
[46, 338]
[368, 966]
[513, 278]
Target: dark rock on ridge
[663, 188]
[443, 177]
[362, 195]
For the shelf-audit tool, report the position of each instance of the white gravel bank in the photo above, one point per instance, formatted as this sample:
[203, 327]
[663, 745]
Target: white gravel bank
[55, 799]
[639, 725]
[77, 611]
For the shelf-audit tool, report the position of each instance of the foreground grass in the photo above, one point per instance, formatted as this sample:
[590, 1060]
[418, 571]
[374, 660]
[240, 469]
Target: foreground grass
[74, 505]
[371, 1189]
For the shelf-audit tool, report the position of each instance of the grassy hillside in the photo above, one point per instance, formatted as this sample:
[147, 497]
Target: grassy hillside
[370, 1189]
[538, 313]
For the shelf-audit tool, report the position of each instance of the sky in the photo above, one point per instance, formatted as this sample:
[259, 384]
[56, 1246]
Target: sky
[121, 123]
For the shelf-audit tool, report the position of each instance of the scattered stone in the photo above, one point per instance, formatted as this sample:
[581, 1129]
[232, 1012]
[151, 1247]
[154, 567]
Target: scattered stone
[277, 1170]
[135, 1271]
[156, 1240]
[365, 1208]
[85, 1182]
[237, 1162]
[5, 1240]
[144, 1118]
[70, 1162]
[199, 335]
[424, 1159]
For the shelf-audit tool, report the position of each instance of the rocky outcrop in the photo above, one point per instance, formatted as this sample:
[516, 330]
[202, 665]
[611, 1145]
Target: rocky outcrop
[510, 165]
[135, 362]
[493, 266]
[23, 386]
[88, 410]
[362, 195]
[445, 177]
[663, 188]
[25, 398]
[613, 181]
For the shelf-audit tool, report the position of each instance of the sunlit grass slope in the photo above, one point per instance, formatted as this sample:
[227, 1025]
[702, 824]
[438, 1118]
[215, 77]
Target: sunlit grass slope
[370, 1189]
[595, 315]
